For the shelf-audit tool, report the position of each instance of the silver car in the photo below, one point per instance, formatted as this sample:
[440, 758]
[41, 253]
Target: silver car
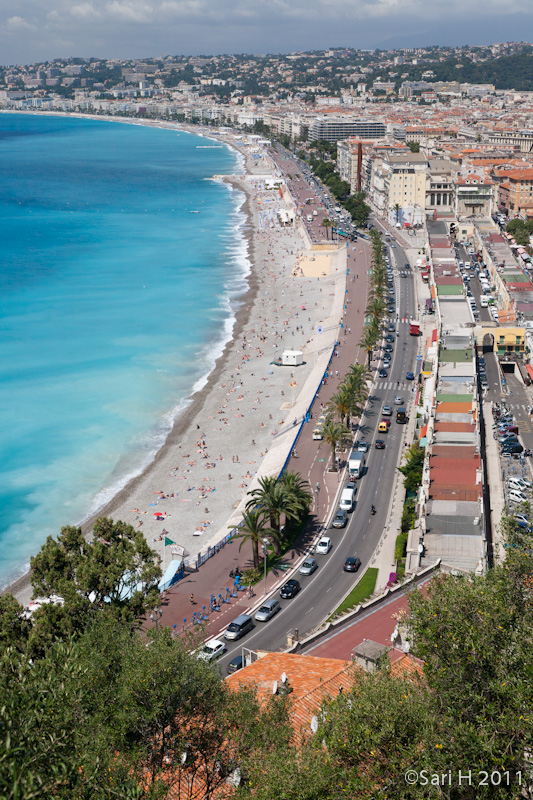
[268, 610]
[308, 566]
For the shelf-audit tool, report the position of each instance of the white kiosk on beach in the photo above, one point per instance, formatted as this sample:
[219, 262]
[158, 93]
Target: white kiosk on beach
[292, 358]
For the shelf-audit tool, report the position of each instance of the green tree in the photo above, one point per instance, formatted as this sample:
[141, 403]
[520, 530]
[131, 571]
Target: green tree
[369, 339]
[117, 571]
[252, 529]
[335, 434]
[14, 629]
[413, 467]
[274, 501]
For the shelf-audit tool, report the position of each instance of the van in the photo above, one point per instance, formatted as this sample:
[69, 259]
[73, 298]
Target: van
[347, 500]
[309, 217]
[268, 609]
[516, 496]
[383, 427]
[240, 626]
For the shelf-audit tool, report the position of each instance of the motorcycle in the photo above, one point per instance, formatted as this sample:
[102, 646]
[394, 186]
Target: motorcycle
[373, 510]
[235, 573]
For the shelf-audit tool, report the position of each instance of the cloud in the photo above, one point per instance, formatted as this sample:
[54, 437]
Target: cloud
[130, 10]
[139, 28]
[85, 11]
[18, 25]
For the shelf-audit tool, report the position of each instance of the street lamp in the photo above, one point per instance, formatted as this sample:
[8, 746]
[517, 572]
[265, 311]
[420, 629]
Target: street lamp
[317, 491]
[264, 548]
[155, 616]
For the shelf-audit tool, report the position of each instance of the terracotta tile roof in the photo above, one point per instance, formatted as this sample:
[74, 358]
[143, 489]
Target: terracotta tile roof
[312, 680]
[303, 672]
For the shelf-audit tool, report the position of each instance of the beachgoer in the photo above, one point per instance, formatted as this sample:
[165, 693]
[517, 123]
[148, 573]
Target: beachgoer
[191, 598]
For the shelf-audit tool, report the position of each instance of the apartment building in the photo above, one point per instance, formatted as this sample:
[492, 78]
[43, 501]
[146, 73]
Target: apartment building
[519, 194]
[474, 194]
[335, 128]
[399, 187]
[439, 185]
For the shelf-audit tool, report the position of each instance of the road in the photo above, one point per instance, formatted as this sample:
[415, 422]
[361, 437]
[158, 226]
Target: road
[323, 591]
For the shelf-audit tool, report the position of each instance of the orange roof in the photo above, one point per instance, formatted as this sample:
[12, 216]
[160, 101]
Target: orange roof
[311, 678]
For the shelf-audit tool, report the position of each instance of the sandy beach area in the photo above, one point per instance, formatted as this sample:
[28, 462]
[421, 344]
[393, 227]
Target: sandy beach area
[243, 423]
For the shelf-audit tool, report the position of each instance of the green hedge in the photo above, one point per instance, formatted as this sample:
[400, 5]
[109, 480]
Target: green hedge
[360, 592]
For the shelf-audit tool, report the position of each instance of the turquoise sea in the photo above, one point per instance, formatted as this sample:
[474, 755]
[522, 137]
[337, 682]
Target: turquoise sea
[115, 300]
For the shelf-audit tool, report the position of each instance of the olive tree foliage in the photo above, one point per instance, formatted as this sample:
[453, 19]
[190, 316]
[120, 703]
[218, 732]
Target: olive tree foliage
[117, 570]
[106, 716]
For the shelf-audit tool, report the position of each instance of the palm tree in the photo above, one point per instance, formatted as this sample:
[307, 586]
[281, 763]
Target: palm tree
[376, 308]
[298, 488]
[274, 500]
[252, 528]
[341, 404]
[335, 433]
[397, 209]
[327, 223]
[368, 341]
[357, 382]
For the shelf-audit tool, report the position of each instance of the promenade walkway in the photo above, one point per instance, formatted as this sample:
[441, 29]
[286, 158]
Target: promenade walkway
[312, 461]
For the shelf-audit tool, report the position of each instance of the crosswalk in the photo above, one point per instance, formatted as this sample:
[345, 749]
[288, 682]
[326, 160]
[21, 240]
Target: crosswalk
[388, 385]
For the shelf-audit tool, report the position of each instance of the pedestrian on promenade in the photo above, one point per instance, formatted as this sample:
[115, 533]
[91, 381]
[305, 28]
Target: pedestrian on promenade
[191, 598]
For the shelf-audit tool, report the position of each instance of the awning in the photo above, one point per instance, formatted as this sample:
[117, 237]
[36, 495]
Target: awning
[529, 370]
[423, 442]
[423, 431]
[434, 334]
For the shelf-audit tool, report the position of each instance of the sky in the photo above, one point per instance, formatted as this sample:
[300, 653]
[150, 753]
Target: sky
[38, 30]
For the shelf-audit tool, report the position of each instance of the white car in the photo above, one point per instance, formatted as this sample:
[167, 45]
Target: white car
[211, 650]
[399, 401]
[362, 446]
[324, 546]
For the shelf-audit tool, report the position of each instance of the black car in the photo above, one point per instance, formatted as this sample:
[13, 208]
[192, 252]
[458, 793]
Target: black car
[382, 373]
[234, 665]
[512, 449]
[352, 564]
[380, 444]
[391, 309]
[290, 589]
[389, 337]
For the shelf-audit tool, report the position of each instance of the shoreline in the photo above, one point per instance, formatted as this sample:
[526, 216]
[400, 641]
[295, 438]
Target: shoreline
[248, 307]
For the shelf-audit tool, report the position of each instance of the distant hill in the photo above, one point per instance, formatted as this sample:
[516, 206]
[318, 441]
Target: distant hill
[506, 72]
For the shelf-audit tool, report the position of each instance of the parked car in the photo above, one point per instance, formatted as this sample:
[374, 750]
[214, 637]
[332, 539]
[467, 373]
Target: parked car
[519, 483]
[362, 446]
[211, 650]
[234, 665]
[516, 496]
[308, 566]
[388, 348]
[389, 337]
[383, 373]
[340, 519]
[512, 449]
[324, 546]
[352, 564]
[268, 610]
[290, 589]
